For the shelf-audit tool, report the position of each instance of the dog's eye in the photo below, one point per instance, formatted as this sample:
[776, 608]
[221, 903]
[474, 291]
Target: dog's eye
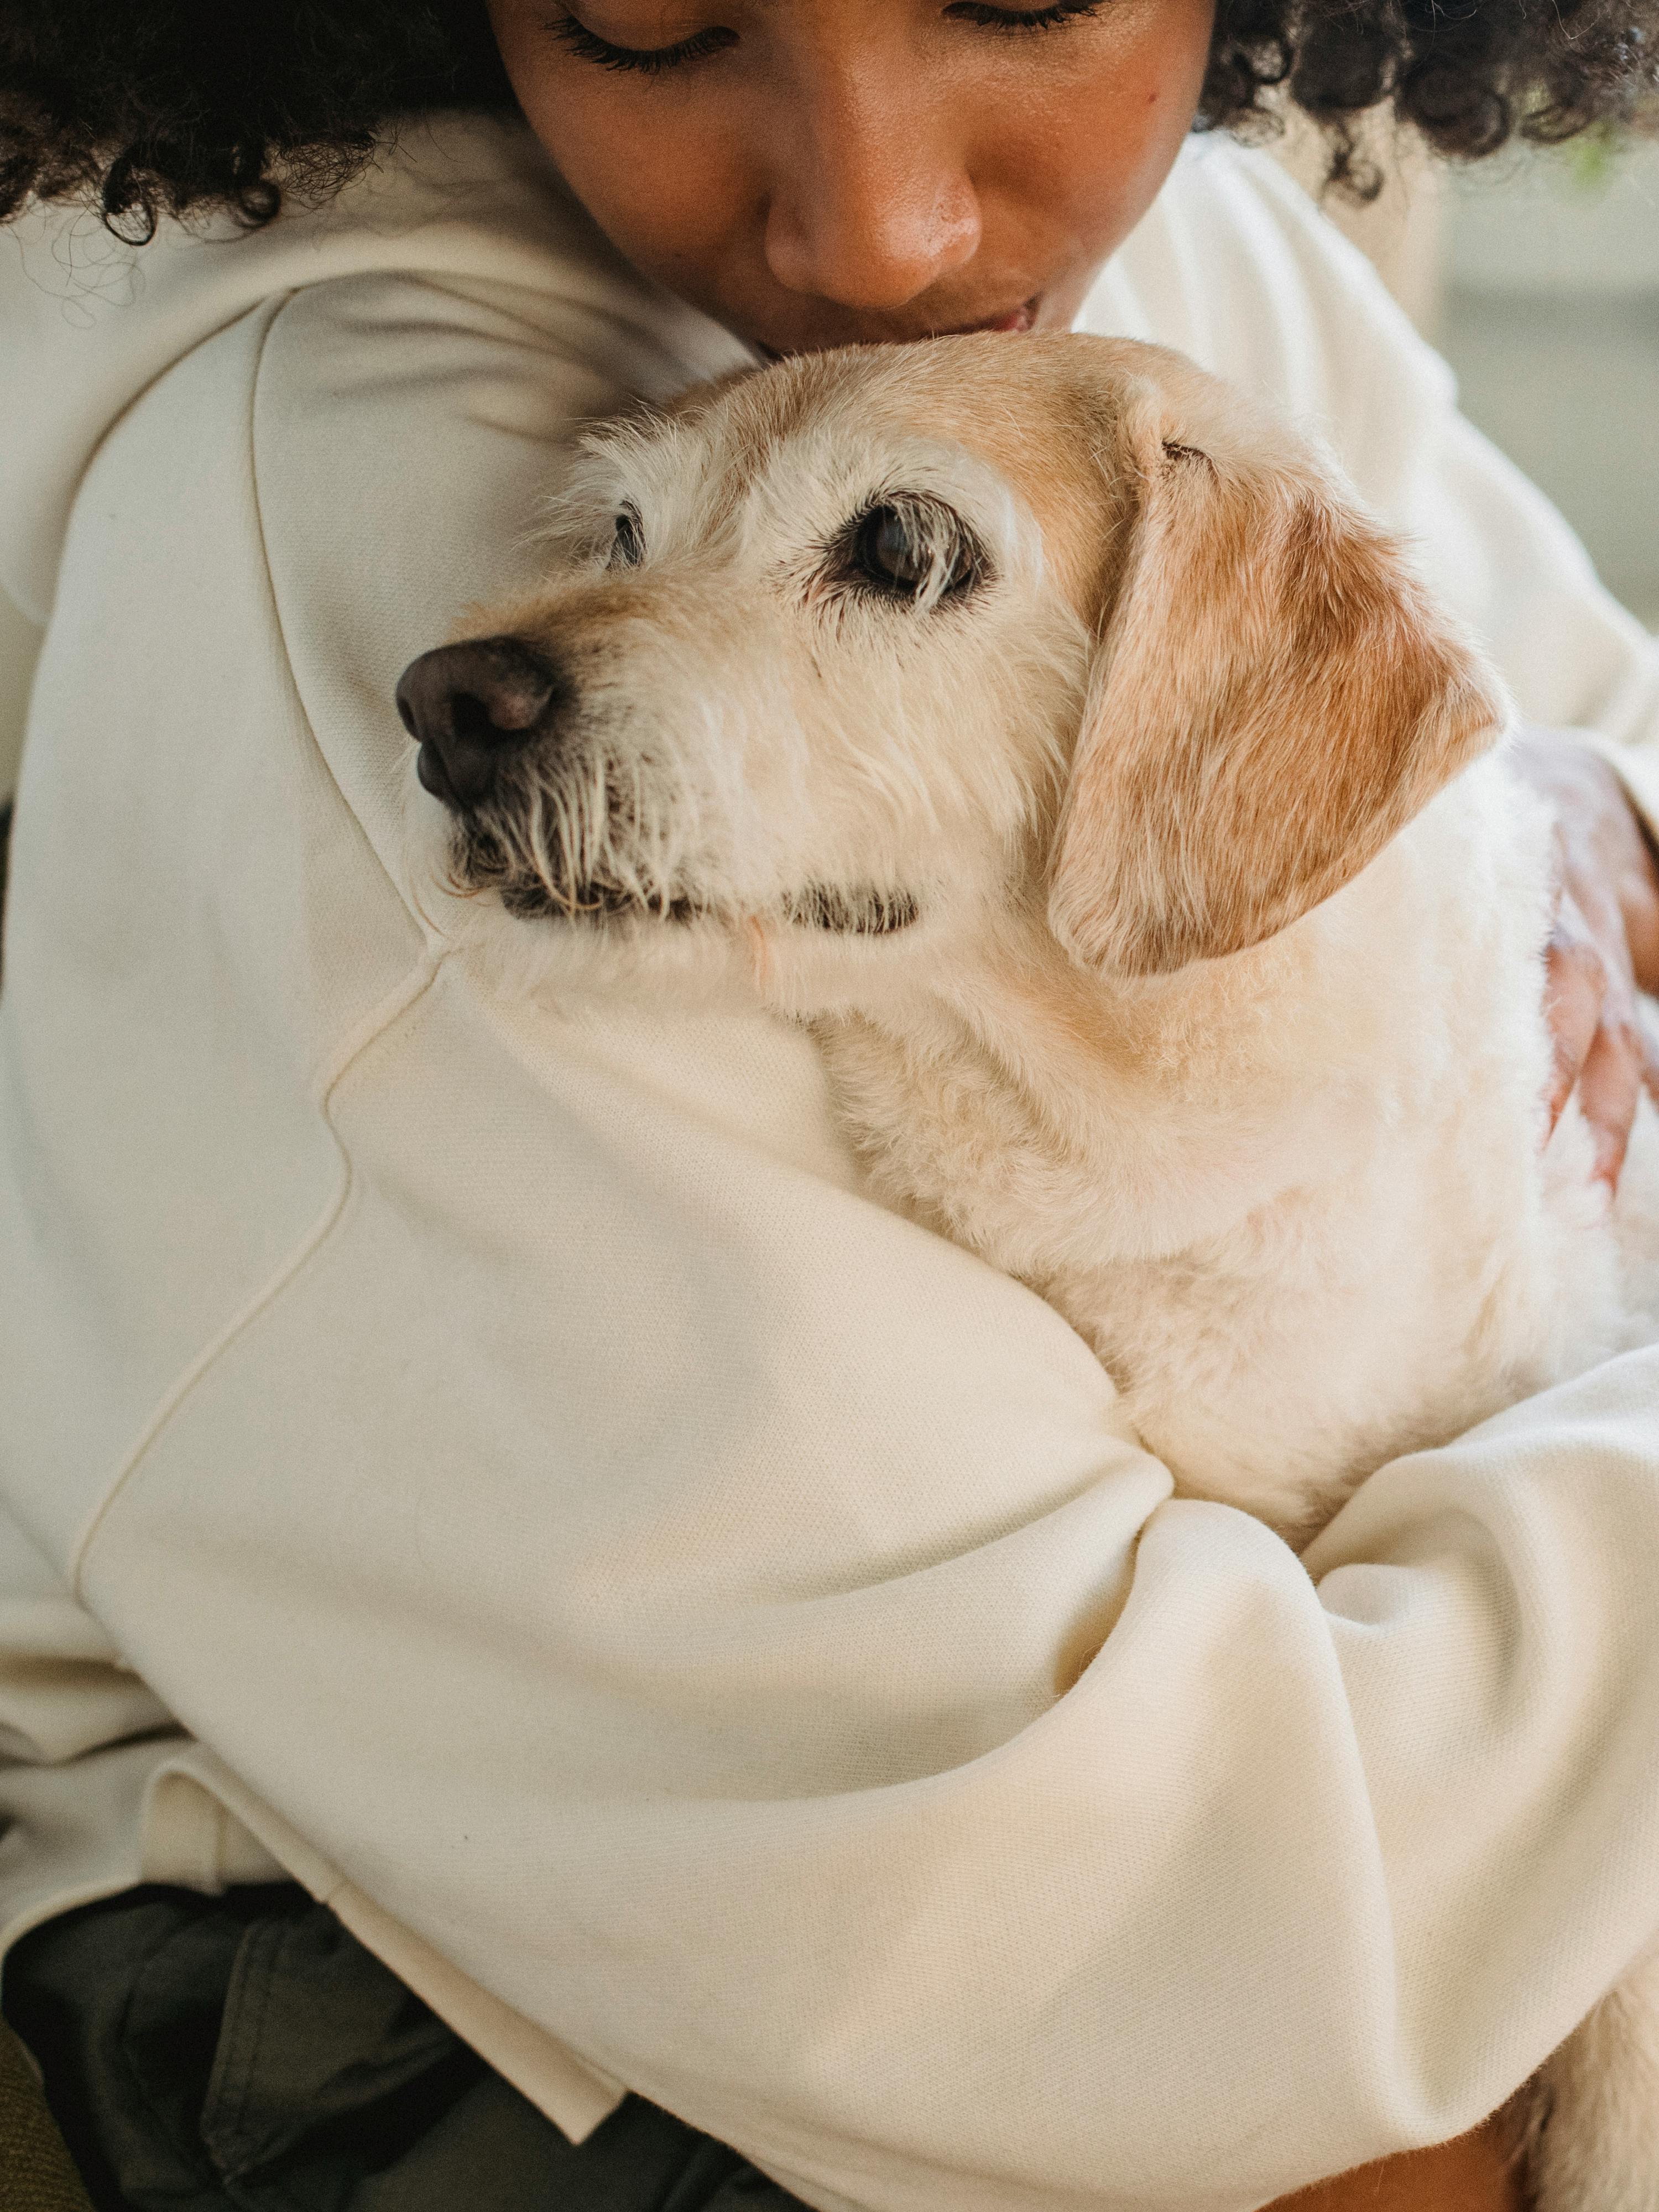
[628, 545]
[887, 552]
[914, 548]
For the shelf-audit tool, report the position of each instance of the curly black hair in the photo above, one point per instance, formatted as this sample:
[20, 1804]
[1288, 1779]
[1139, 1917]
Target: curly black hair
[153, 107]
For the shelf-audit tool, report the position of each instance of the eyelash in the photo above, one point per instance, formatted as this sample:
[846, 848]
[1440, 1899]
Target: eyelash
[1038, 19]
[652, 61]
[647, 61]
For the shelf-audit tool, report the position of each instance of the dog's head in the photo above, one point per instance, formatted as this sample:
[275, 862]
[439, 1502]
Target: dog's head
[843, 659]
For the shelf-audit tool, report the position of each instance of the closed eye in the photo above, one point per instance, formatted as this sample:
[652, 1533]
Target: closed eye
[1026, 19]
[653, 60]
[647, 61]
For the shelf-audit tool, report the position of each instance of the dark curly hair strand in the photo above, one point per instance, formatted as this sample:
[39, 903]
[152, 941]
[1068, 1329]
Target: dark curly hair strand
[148, 108]
[153, 107]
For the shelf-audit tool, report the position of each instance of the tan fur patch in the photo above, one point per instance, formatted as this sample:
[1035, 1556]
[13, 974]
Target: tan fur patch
[1276, 697]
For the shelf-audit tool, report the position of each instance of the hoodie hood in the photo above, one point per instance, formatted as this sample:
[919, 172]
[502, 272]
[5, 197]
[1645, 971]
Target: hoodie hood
[86, 323]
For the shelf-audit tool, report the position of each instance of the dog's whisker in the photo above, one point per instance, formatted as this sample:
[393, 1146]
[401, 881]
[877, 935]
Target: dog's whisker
[542, 859]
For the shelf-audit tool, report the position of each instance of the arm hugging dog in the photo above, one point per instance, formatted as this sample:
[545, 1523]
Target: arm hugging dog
[1050, 730]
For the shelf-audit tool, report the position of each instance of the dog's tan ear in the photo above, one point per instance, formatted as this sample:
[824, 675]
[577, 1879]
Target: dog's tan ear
[1275, 696]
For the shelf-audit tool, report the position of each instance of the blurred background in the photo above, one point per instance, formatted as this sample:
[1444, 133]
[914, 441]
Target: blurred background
[1536, 274]
[1549, 312]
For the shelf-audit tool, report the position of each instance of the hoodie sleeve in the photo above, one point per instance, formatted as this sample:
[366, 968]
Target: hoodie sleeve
[726, 1628]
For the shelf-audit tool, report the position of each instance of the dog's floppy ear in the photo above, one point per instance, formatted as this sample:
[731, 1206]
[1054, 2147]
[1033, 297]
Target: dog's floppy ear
[1274, 696]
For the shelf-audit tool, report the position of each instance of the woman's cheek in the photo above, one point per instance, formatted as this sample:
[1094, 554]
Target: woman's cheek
[672, 196]
[1107, 148]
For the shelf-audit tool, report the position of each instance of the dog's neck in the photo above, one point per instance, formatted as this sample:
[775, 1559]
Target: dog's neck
[1130, 1119]
[1294, 1200]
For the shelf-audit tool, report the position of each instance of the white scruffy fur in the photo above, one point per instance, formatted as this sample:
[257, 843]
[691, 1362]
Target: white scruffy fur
[1219, 1018]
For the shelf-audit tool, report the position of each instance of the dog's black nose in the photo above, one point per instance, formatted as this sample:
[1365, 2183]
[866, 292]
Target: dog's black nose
[469, 707]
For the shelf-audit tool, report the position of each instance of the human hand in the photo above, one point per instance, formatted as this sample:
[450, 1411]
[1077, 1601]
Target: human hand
[1604, 947]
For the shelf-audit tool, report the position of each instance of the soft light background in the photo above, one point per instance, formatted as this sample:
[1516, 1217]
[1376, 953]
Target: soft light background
[1551, 319]
[1537, 275]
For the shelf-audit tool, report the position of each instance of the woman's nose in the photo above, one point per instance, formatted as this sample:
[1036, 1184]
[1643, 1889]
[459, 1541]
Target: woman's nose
[869, 208]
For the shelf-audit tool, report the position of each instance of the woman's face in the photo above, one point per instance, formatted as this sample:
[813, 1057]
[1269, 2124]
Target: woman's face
[820, 172]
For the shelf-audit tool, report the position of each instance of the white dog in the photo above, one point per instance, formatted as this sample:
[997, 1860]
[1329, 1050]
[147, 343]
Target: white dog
[1050, 729]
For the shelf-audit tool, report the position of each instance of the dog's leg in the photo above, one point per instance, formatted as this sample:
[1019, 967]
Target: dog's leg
[1595, 2148]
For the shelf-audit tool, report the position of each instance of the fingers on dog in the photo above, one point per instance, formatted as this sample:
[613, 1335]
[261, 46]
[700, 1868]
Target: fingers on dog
[1638, 907]
[1576, 989]
[1609, 1088]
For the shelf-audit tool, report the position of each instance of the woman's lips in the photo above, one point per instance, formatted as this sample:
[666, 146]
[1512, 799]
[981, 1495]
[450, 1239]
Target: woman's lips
[1022, 318]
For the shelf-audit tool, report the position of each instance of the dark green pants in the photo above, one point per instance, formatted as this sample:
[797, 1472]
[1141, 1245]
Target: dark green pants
[246, 2051]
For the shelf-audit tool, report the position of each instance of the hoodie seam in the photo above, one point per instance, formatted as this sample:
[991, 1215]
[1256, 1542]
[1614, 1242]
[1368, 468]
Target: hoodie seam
[384, 1019]
[324, 1082]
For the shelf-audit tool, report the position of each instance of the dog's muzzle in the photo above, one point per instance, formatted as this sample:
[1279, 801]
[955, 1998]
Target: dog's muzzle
[487, 715]
[471, 707]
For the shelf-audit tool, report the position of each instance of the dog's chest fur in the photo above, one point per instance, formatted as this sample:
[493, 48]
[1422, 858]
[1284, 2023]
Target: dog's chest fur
[1299, 1202]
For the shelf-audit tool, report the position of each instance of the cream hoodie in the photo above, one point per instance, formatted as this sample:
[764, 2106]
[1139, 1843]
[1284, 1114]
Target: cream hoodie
[706, 1633]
